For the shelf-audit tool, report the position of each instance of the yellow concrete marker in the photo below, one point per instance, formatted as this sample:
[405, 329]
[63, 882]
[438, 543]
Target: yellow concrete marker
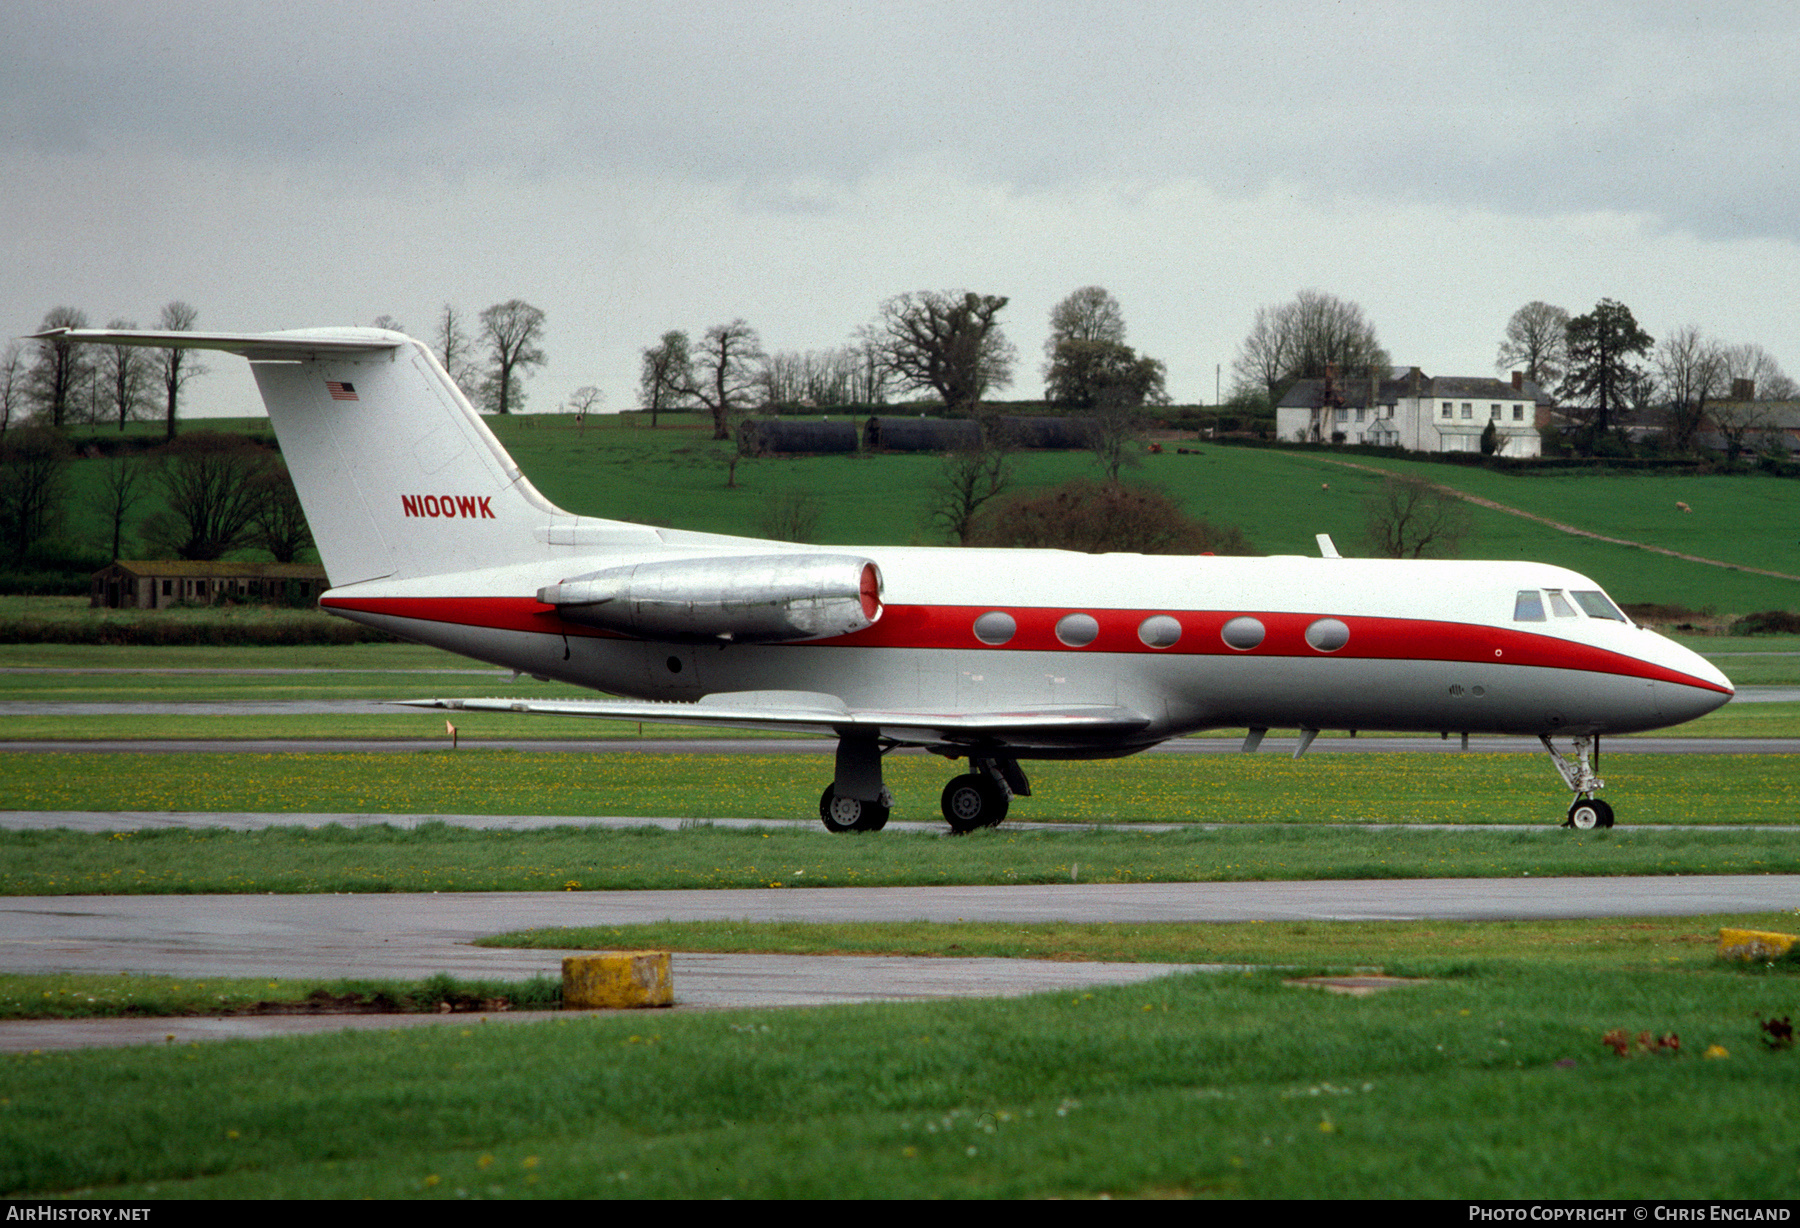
[617, 980]
[1754, 944]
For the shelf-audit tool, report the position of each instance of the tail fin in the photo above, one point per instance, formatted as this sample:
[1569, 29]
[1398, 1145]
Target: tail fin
[397, 473]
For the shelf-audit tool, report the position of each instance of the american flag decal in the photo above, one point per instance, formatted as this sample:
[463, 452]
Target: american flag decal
[341, 391]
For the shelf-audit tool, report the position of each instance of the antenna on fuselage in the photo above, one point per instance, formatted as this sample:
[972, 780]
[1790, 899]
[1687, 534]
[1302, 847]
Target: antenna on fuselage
[1326, 549]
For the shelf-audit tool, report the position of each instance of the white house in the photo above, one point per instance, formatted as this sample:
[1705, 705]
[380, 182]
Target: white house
[1402, 407]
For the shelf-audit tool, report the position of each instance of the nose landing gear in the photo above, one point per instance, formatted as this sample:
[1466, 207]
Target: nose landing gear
[1587, 812]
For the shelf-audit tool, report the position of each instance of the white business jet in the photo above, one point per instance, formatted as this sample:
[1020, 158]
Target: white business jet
[427, 529]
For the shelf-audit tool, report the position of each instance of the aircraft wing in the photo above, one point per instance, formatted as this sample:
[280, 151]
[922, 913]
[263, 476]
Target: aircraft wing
[808, 712]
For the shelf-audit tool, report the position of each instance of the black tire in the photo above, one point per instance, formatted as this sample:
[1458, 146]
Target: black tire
[1590, 813]
[846, 814]
[973, 801]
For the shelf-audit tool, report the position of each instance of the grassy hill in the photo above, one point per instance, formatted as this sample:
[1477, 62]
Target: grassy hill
[675, 475]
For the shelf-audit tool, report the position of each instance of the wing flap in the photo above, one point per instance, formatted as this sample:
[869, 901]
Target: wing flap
[808, 712]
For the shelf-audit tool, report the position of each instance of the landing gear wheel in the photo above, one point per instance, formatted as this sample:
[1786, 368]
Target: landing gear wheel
[973, 801]
[842, 814]
[1588, 813]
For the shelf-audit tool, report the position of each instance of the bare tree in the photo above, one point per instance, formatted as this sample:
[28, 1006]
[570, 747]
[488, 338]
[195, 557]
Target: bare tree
[664, 375]
[1691, 369]
[122, 488]
[1265, 357]
[34, 463]
[277, 522]
[1739, 423]
[455, 348]
[1301, 339]
[969, 479]
[388, 322]
[176, 367]
[1115, 434]
[817, 377]
[1537, 343]
[1752, 362]
[60, 371]
[868, 373]
[12, 383]
[510, 331]
[585, 400]
[724, 372]
[124, 375]
[211, 484]
[1410, 518]
[949, 342]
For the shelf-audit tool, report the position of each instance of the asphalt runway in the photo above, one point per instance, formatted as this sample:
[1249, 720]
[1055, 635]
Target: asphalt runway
[330, 936]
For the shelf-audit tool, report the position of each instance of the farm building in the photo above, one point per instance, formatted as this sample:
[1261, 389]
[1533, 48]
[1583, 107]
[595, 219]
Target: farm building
[896, 434]
[1044, 431]
[760, 436]
[1402, 407]
[166, 582]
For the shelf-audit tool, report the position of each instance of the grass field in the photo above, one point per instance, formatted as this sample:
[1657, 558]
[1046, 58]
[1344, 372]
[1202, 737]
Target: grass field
[437, 858]
[1489, 1080]
[1263, 788]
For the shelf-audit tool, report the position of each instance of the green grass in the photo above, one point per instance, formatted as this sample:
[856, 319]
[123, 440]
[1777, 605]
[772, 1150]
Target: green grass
[434, 857]
[1488, 1081]
[365, 657]
[1399, 948]
[100, 996]
[1264, 788]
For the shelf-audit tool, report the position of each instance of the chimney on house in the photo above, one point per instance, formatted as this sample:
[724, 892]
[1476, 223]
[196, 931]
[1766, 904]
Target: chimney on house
[1743, 390]
[1518, 381]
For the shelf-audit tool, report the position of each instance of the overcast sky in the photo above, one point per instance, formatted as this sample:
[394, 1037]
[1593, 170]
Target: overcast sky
[632, 168]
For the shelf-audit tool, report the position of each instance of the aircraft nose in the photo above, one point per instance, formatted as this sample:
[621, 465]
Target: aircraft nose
[1682, 702]
[1679, 704]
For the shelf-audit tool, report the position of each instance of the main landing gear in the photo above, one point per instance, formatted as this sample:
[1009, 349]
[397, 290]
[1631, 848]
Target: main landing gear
[857, 800]
[1586, 812]
[842, 814]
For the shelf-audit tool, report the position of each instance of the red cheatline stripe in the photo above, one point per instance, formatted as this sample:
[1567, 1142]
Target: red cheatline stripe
[921, 626]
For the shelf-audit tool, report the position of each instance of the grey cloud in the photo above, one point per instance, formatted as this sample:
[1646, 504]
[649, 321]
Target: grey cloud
[1688, 117]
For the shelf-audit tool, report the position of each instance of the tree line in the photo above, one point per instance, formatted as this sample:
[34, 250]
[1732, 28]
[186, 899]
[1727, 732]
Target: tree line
[1601, 368]
[947, 344]
[216, 494]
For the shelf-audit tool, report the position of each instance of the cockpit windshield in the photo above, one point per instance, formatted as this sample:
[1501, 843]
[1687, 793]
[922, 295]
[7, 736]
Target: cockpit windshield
[1597, 605]
[1529, 605]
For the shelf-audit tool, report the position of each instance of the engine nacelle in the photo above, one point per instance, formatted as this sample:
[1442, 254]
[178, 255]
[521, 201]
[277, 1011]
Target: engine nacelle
[762, 599]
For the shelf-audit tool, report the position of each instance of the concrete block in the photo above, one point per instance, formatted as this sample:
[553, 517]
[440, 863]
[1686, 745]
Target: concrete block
[1754, 944]
[617, 980]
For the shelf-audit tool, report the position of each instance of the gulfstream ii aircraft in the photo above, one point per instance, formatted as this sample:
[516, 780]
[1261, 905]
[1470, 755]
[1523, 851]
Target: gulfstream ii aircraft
[429, 530]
